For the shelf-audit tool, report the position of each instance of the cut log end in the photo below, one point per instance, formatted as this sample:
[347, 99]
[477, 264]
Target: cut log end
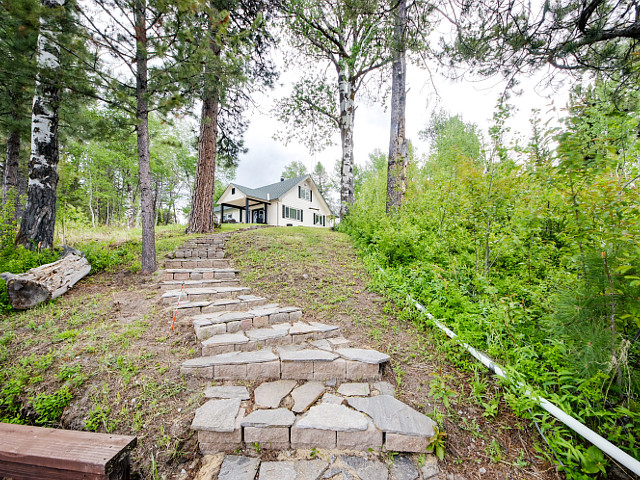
[24, 294]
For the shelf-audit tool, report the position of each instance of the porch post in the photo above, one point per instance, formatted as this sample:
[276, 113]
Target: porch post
[240, 221]
[221, 213]
[265, 214]
[247, 209]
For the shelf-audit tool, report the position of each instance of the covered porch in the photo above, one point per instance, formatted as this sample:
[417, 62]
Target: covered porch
[247, 209]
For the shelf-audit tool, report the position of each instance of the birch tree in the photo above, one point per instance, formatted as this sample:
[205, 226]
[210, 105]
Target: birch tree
[39, 218]
[351, 38]
[398, 143]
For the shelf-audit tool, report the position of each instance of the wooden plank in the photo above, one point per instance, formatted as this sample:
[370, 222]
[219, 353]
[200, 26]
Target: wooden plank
[94, 453]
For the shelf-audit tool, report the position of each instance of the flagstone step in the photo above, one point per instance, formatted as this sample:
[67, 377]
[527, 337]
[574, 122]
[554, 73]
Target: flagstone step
[209, 324]
[321, 417]
[167, 285]
[202, 294]
[189, 263]
[202, 252]
[292, 362]
[257, 338]
[199, 274]
[341, 465]
[242, 302]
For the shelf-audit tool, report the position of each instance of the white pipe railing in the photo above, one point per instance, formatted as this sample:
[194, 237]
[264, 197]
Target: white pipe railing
[602, 443]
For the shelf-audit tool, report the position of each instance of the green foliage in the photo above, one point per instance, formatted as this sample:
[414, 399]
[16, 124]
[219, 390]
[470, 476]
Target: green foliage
[49, 407]
[294, 169]
[535, 262]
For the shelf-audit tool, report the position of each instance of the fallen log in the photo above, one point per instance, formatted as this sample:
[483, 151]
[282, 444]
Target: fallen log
[46, 282]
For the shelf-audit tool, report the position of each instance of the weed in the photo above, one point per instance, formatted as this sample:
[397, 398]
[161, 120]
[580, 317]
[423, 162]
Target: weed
[49, 407]
[494, 451]
[440, 390]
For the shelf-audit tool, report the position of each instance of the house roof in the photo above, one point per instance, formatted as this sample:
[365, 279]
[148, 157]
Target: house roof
[275, 190]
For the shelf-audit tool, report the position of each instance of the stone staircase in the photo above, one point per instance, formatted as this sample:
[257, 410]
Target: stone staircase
[316, 390]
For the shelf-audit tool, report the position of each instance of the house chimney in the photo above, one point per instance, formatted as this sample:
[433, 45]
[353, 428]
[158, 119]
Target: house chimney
[282, 179]
[268, 197]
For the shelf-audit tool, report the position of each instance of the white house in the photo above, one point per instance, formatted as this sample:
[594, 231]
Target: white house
[293, 202]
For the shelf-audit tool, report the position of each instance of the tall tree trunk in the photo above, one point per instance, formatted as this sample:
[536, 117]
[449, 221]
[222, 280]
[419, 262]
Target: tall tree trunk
[202, 219]
[144, 161]
[398, 143]
[12, 163]
[347, 114]
[39, 217]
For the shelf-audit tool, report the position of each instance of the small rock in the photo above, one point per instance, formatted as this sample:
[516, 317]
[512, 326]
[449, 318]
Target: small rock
[269, 395]
[277, 471]
[369, 469]
[354, 389]
[430, 469]
[279, 417]
[385, 388]
[237, 467]
[217, 416]
[305, 395]
[230, 391]
[403, 468]
[482, 470]
[333, 417]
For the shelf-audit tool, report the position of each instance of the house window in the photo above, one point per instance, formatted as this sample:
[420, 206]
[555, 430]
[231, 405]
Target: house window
[293, 213]
[318, 219]
[233, 191]
[305, 193]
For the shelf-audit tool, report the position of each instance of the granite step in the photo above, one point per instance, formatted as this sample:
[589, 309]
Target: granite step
[190, 263]
[241, 303]
[257, 338]
[199, 274]
[209, 324]
[291, 362]
[202, 294]
[289, 414]
[167, 285]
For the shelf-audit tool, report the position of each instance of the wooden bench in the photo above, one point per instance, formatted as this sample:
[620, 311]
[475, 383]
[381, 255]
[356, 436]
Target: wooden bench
[37, 453]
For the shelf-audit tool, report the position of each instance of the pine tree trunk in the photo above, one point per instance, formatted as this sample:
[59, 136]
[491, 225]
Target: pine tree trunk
[144, 162]
[39, 217]
[398, 143]
[202, 219]
[347, 113]
[11, 167]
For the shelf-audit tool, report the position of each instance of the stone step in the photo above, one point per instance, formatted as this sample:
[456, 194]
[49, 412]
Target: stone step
[198, 252]
[257, 338]
[209, 324]
[293, 362]
[241, 303]
[202, 294]
[341, 465]
[309, 415]
[199, 274]
[185, 263]
[167, 285]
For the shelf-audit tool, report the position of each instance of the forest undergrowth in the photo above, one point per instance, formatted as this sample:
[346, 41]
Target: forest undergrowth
[531, 255]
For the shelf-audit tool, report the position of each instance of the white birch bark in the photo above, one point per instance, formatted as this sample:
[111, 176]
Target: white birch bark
[39, 218]
[347, 115]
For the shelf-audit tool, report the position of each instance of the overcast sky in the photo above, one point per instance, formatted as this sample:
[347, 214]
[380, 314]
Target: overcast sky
[474, 101]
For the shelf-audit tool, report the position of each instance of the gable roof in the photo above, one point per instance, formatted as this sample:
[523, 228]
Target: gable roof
[275, 190]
